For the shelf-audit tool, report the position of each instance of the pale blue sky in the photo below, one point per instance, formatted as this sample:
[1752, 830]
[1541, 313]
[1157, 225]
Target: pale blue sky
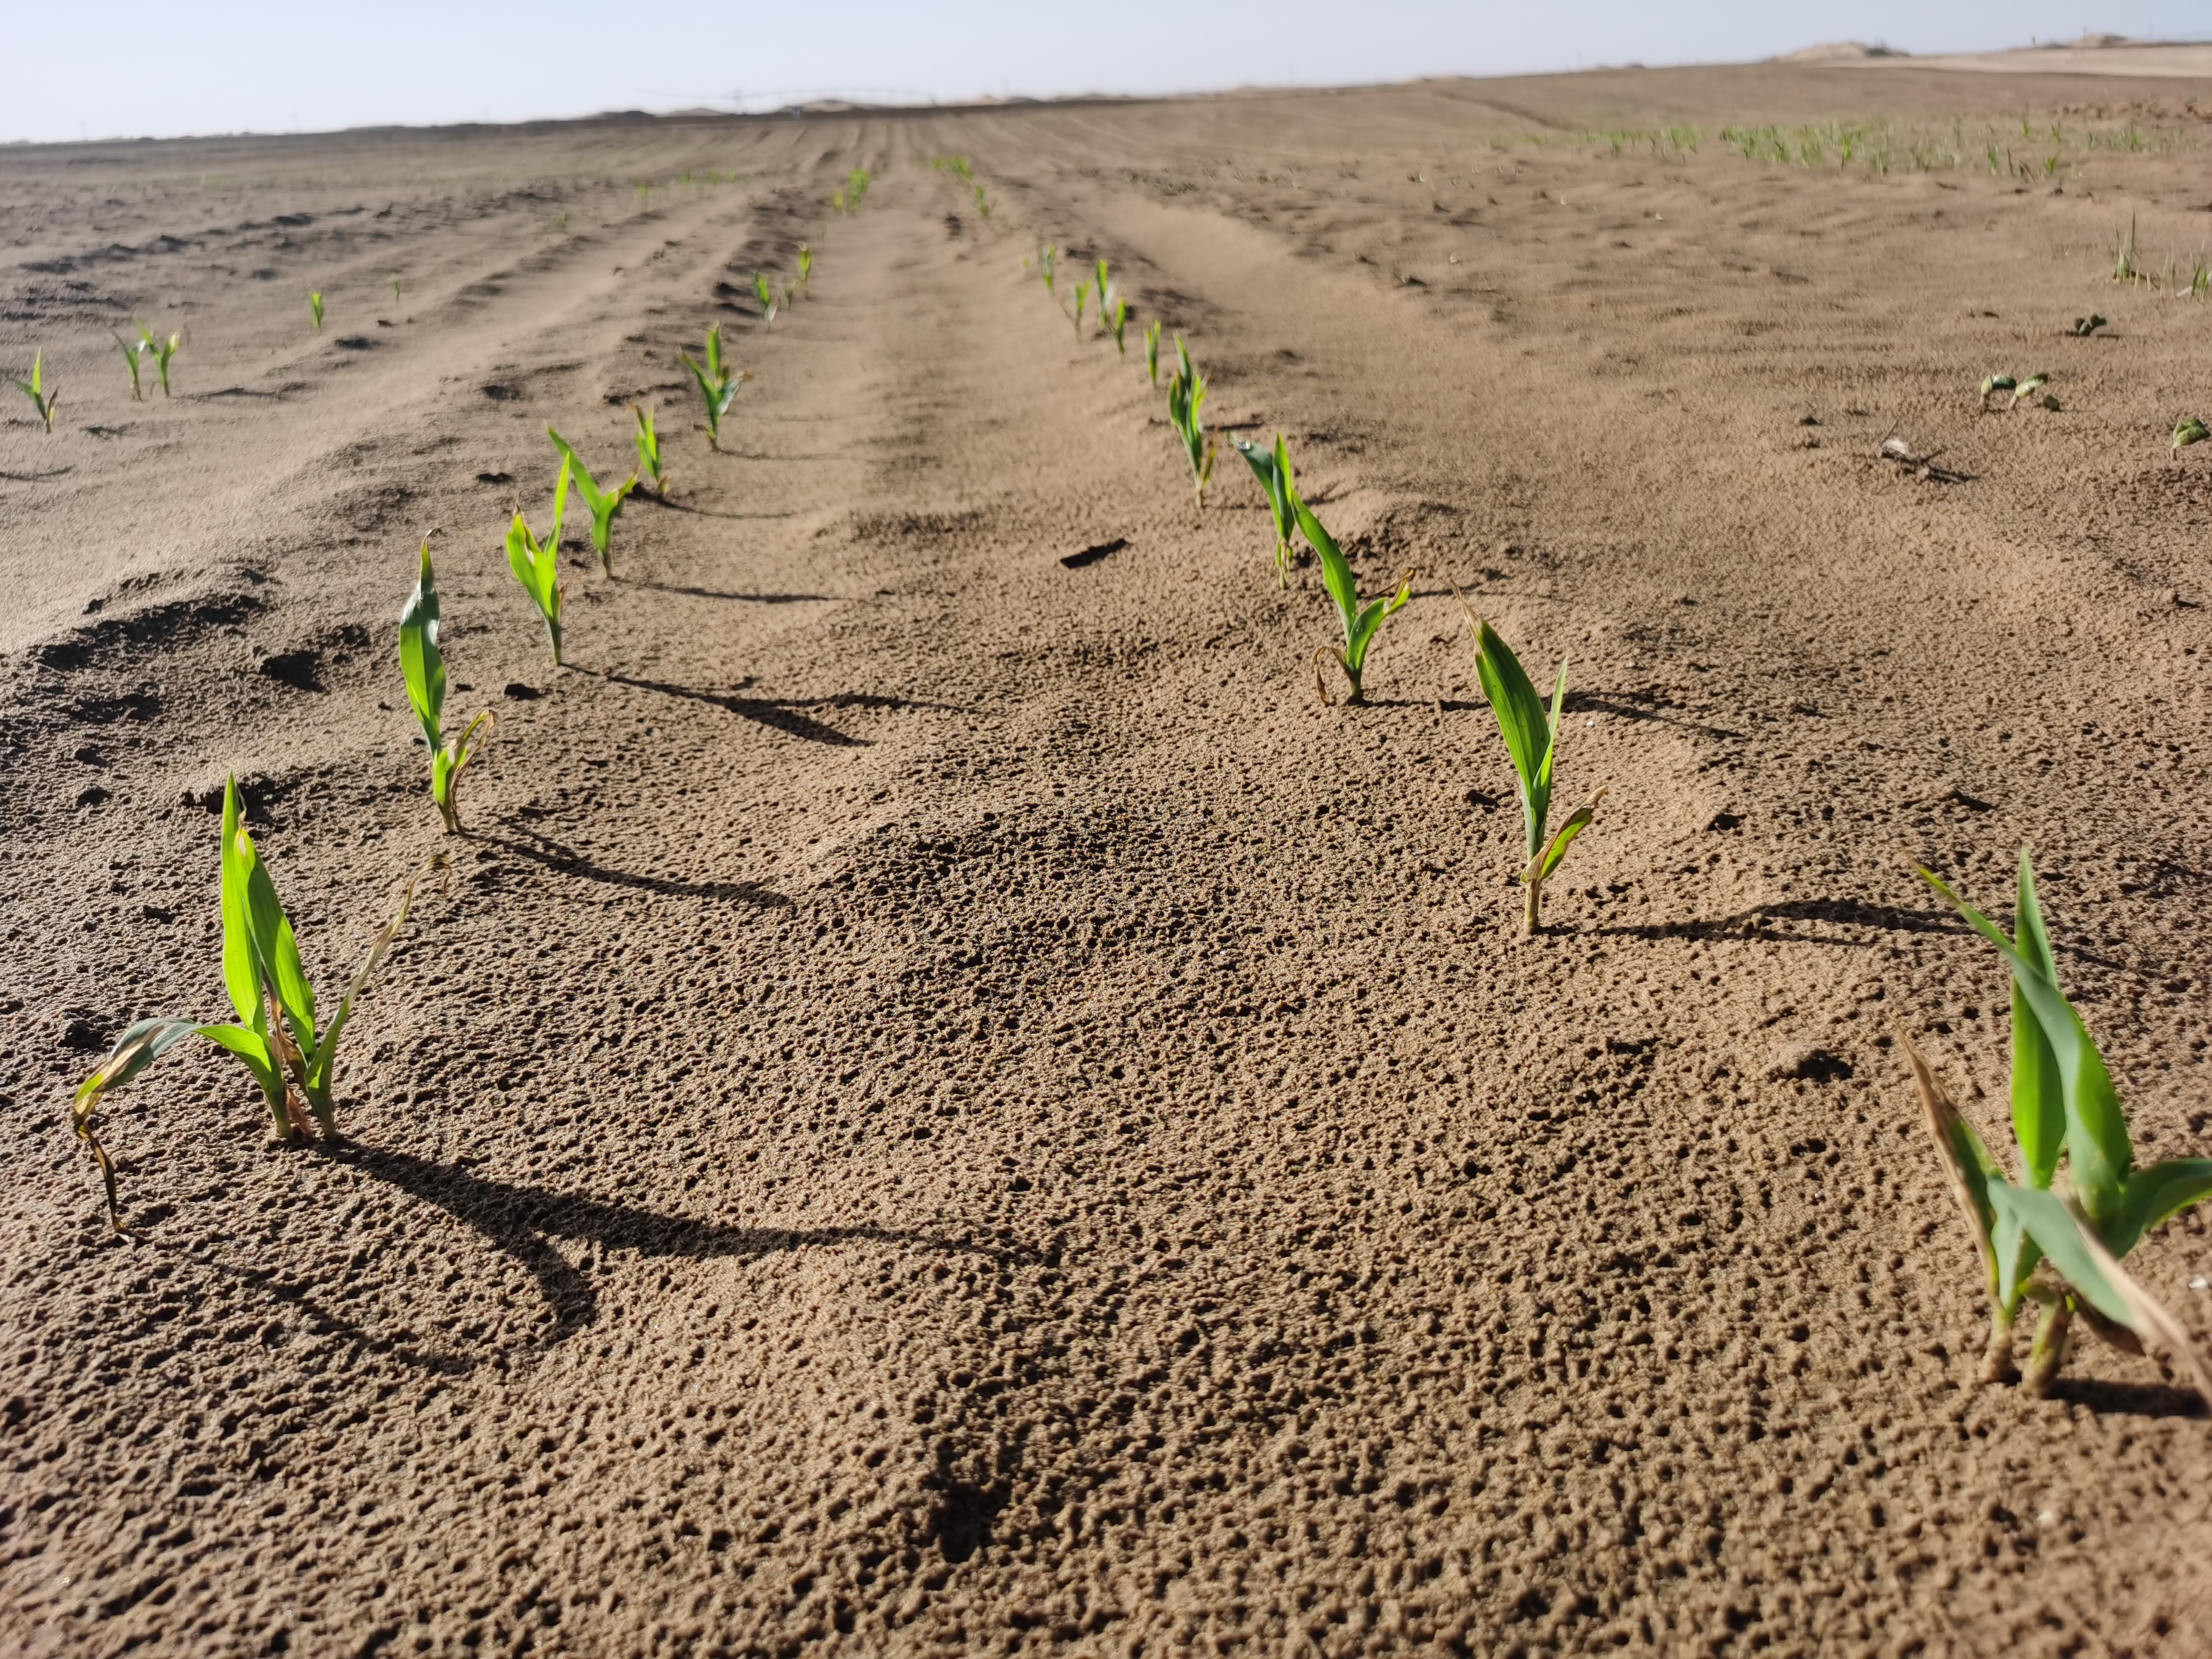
[159, 67]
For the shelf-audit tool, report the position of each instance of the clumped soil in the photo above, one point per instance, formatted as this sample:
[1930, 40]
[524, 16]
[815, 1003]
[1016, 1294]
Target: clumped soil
[948, 1104]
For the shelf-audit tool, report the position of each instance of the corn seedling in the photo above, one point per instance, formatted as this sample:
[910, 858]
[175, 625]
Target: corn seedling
[395, 284]
[1361, 622]
[1273, 468]
[805, 269]
[717, 386]
[2186, 431]
[133, 355]
[2029, 388]
[36, 389]
[315, 305]
[837, 199]
[2087, 326]
[2063, 1103]
[277, 1036]
[1532, 738]
[604, 504]
[1046, 256]
[648, 452]
[161, 351]
[1996, 383]
[1186, 395]
[537, 565]
[765, 293]
[982, 205]
[422, 665]
[1152, 352]
[2125, 268]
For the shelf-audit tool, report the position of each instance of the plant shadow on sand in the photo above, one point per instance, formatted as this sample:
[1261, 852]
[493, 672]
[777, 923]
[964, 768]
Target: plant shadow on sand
[784, 713]
[1773, 921]
[717, 593]
[2130, 1399]
[521, 1221]
[553, 855]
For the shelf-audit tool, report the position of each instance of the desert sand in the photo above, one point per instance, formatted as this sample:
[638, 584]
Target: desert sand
[949, 1105]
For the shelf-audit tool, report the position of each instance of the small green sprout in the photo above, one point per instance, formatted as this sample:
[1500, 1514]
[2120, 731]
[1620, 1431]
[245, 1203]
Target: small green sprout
[1114, 321]
[1186, 395]
[395, 284]
[161, 351]
[2029, 386]
[1361, 622]
[1996, 383]
[2125, 267]
[134, 353]
[766, 295]
[982, 205]
[1532, 738]
[837, 199]
[537, 565]
[648, 451]
[805, 269]
[605, 504]
[717, 386]
[1152, 351]
[1273, 468]
[1101, 286]
[422, 665]
[1046, 256]
[2085, 326]
[2063, 1101]
[36, 389]
[2186, 431]
[1082, 298]
[315, 305]
[293, 1058]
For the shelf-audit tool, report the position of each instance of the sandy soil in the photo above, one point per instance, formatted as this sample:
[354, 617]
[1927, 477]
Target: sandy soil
[950, 1105]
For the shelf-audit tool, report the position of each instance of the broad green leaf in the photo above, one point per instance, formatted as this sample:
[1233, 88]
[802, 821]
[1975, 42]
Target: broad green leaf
[2039, 1097]
[2097, 1147]
[522, 558]
[1578, 821]
[1372, 618]
[277, 953]
[2044, 1219]
[1335, 570]
[134, 1051]
[586, 486]
[421, 663]
[253, 1049]
[2155, 1194]
[1521, 721]
[560, 512]
[241, 973]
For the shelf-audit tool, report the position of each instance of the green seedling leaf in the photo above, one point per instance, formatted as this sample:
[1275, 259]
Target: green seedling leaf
[1532, 735]
[1152, 352]
[423, 666]
[602, 504]
[395, 284]
[2029, 388]
[648, 451]
[1185, 397]
[805, 268]
[717, 388]
[536, 564]
[766, 295]
[1082, 297]
[1273, 468]
[2186, 431]
[982, 205]
[1361, 622]
[133, 353]
[279, 1045]
[1115, 318]
[1046, 256]
[2155, 1194]
[161, 351]
[2098, 1150]
[315, 305]
[43, 399]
